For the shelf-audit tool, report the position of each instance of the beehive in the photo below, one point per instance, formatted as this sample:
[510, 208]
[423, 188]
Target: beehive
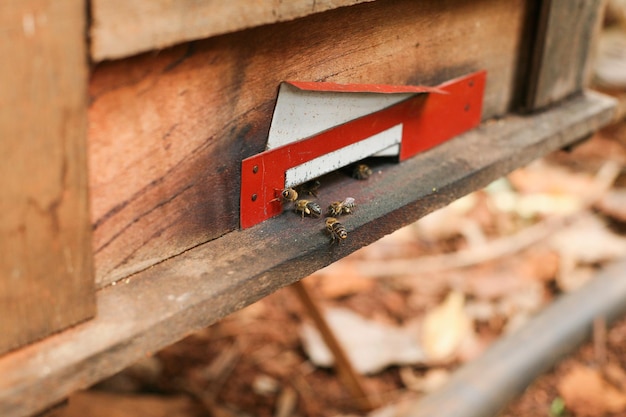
[126, 129]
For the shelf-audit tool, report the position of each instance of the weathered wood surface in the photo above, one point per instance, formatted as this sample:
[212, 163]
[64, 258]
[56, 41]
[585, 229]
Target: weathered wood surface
[126, 27]
[168, 131]
[563, 45]
[162, 304]
[46, 269]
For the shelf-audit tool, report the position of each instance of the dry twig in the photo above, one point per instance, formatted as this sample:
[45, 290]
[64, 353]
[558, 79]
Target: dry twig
[343, 365]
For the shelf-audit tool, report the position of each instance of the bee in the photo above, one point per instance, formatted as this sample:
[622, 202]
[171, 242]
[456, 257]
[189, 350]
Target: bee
[315, 208]
[338, 208]
[348, 205]
[310, 208]
[337, 230]
[310, 188]
[361, 172]
[288, 194]
[335, 208]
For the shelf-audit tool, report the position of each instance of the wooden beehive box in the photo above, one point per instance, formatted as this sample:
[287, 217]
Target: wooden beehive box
[125, 124]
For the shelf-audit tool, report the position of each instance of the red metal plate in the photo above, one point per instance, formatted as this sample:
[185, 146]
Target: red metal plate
[444, 116]
[428, 120]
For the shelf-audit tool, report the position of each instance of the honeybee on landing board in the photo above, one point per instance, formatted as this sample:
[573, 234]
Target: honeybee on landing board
[315, 208]
[348, 204]
[307, 207]
[337, 230]
[361, 172]
[338, 208]
[288, 194]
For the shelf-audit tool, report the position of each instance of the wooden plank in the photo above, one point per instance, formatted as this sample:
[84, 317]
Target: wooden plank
[126, 27]
[210, 281]
[563, 45]
[46, 269]
[168, 131]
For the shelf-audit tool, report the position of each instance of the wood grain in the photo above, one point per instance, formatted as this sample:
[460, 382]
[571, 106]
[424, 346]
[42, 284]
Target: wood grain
[563, 46]
[126, 27]
[168, 130]
[46, 269]
[162, 304]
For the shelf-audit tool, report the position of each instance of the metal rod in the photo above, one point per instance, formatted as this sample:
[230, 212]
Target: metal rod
[483, 387]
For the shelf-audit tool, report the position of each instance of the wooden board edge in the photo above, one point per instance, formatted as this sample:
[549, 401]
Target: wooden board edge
[133, 26]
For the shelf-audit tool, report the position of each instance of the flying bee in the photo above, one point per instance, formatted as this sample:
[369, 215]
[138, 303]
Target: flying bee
[309, 187]
[337, 230]
[361, 172]
[307, 207]
[288, 194]
[338, 208]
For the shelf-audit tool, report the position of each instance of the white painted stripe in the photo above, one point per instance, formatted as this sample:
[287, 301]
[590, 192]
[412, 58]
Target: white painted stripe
[331, 161]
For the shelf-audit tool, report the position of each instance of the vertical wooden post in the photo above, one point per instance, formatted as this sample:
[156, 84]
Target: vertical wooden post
[46, 278]
[560, 59]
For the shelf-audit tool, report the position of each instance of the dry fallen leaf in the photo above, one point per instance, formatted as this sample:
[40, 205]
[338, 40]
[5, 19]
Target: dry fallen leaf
[589, 241]
[526, 300]
[540, 177]
[540, 263]
[572, 276]
[610, 62]
[481, 310]
[615, 374]
[531, 205]
[613, 204]
[492, 281]
[340, 280]
[444, 328]
[432, 380]
[399, 244]
[286, 402]
[586, 393]
[448, 221]
[370, 345]
[473, 345]
[265, 385]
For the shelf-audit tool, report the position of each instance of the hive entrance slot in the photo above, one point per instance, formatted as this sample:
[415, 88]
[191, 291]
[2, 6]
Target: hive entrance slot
[320, 127]
[387, 140]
